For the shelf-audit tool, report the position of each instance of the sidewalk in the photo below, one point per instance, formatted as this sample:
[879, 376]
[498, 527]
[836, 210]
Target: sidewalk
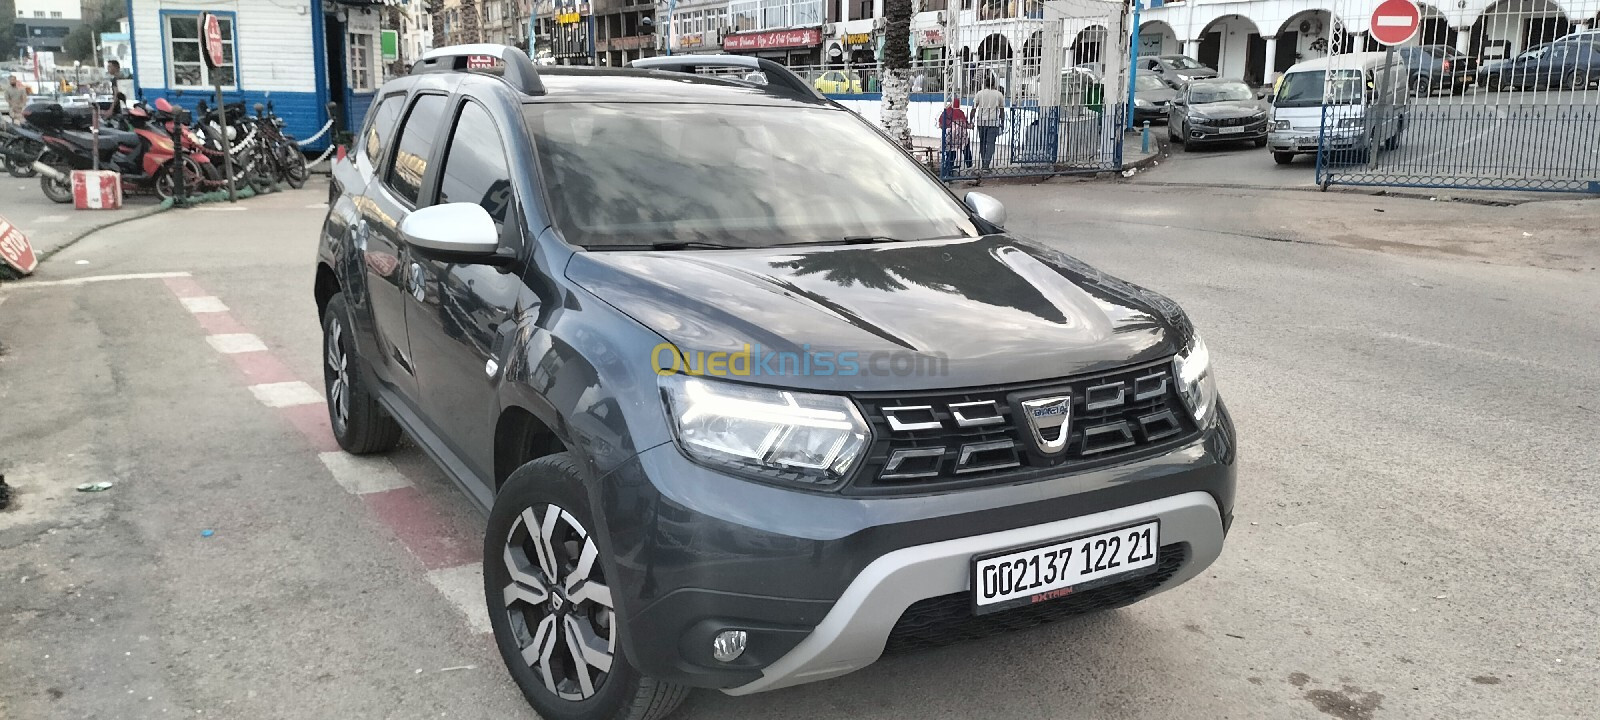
[1135, 154]
[51, 226]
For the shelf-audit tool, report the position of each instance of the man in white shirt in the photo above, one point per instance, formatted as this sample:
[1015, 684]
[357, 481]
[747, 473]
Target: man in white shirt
[988, 116]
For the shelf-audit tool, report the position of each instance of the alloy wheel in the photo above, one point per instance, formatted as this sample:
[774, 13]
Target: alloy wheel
[338, 362]
[558, 602]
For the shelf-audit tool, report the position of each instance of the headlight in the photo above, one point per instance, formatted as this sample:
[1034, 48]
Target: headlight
[1280, 124]
[1195, 380]
[1141, 102]
[1351, 122]
[782, 435]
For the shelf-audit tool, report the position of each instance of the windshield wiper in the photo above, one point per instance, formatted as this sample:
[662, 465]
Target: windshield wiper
[669, 245]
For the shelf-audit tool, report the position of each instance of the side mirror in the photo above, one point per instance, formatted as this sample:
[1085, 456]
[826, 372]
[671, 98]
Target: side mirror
[1261, 94]
[986, 207]
[458, 230]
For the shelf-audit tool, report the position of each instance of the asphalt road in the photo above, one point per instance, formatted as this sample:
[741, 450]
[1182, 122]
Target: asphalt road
[1533, 140]
[1415, 534]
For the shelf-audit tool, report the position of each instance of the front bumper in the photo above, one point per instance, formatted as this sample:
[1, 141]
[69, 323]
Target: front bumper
[819, 581]
[1307, 141]
[1210, 133]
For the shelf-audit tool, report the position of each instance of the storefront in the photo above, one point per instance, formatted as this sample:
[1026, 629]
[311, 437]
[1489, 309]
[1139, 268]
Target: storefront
[798, 46]
[930, 44]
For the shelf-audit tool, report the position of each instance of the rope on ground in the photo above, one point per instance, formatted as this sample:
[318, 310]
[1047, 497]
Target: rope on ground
[320, 133]
[324, 157]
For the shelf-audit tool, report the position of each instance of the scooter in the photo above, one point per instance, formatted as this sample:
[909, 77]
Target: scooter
[146, 158]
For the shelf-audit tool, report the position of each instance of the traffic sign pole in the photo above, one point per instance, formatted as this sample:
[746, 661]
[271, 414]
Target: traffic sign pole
[214, 57]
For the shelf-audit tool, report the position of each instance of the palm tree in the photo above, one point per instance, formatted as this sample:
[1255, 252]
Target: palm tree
[897, 69]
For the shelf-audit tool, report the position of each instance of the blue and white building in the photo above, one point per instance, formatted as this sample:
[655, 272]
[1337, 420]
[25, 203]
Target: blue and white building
[300, 54]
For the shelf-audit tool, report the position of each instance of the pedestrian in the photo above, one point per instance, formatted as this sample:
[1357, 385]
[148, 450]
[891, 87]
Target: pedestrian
[988, 109]
[16, 99]
[953, 121]
[919, 82]
[114, 73]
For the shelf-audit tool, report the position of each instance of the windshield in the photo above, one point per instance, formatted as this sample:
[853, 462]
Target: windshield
[743, 176]
[1148, 82]
[1219, 92]
[1183, 62]
[1304, 89]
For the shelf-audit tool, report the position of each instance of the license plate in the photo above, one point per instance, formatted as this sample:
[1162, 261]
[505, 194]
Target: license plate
[1308, 143]
[1057, 569]
[1233, 130]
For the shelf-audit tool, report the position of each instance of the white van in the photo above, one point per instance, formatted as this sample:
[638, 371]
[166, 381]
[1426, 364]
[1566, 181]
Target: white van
[1366, 103]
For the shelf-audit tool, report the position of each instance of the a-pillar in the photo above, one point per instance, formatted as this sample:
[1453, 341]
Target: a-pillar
[1464, 40]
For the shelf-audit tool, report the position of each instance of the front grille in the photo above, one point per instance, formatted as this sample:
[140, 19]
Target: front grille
[1231, 122]
[942, 440]
[948, 619]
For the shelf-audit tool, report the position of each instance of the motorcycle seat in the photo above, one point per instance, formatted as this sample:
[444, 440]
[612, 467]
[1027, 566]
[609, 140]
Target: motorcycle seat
[109, 139]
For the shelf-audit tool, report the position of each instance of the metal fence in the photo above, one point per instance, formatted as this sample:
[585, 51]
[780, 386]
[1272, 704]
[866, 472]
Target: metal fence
[1509, 102]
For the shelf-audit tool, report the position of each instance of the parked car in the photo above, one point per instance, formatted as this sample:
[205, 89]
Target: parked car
[1216, 111]
[1437, 68]
[837, 82]
[1569, 64]
[1360, 118]
[1151, 97]
[1175, 70]
[672, 501]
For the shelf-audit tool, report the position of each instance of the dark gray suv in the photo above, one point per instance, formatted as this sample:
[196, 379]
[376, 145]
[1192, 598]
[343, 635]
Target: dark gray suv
[749, 397]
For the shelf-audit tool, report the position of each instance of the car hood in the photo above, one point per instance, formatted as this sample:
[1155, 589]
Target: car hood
[1229, 109]
[968, 312]
[1156, 95]
[1197, 73]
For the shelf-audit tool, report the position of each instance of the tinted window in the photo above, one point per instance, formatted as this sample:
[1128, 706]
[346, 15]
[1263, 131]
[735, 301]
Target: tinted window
[416, 144]
[623, 174]
[475, 168]
[384, 116]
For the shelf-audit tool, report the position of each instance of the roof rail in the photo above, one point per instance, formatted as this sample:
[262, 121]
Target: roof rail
[517, 70]
[777, 75]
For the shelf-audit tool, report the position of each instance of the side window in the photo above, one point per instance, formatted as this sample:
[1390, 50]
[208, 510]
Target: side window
[475, 167]
[416, 144]
[380, 129]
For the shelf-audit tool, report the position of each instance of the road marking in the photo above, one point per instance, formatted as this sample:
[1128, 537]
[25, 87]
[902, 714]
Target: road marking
[286, 394]
[362, 475]
[203, 304]
[317, 206]
[231, 343]
[94, 279]
[50, 219]
[222, 209]
[463, 587]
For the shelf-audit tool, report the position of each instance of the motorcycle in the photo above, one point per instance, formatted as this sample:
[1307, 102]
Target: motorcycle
[19, 147]
[145, 157]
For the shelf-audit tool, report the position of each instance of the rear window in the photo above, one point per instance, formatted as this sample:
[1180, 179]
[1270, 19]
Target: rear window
[745, 176]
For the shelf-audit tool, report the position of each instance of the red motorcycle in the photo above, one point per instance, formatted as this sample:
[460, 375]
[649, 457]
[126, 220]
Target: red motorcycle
[145, 156]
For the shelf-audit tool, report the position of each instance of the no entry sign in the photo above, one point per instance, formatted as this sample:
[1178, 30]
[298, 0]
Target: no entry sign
[15, 250]
[1395, 22]
[213, 34]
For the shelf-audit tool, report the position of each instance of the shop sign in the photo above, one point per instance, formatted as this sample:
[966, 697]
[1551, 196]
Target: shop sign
[931, 38]
[568, 18]
[858, 39]
[776, 39]
[691, 39]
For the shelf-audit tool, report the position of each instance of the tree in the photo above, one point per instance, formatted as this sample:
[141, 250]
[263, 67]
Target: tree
[897, 69]
[98, 17]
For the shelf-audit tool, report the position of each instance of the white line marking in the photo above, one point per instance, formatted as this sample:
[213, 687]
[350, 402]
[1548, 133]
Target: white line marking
[234, 343]
[50, 219]
[203, 304]
[93, 279]
[317, 206]
[463, 587]
[362, 475]
[222, 209]
[286, 394]
[1394, 20]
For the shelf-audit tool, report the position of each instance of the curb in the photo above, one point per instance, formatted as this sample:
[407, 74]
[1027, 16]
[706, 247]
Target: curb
[147, 212]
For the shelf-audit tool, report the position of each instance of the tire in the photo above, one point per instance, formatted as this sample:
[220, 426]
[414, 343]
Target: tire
[1576, 81]
[16, 148]
[1419, 86]
[166, 185]
[295, 171]
[543, 506]
[1493, 83]
[360, 424]
[59, 191]
[1283, 158]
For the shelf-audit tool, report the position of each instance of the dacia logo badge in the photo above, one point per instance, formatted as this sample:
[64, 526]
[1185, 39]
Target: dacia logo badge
[1049, 418]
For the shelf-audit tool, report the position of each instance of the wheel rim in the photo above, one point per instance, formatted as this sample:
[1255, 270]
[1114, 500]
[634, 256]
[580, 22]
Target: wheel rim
[338, 373]
[559, 607]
